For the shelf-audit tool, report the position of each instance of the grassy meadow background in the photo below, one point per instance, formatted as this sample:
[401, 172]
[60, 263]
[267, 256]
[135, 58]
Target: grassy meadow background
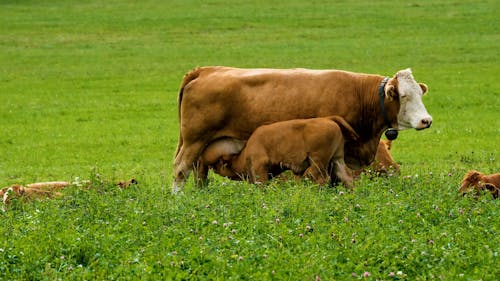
[88, 90]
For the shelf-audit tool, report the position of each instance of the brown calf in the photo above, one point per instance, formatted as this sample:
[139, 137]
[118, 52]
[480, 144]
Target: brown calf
[37, 190]
[40, 190]
[219, 154]
[476, 181]
[304, 146]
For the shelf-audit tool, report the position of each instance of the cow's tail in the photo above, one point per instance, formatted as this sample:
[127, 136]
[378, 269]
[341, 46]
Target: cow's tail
[188, 77]
[347, 130]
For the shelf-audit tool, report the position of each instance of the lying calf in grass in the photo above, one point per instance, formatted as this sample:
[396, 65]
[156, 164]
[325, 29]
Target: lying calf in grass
[42, 190]
[476, 181]
[304, 146]
[37, 190]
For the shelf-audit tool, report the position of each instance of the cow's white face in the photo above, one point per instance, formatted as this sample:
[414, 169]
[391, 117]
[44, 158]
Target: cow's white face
[412, 112]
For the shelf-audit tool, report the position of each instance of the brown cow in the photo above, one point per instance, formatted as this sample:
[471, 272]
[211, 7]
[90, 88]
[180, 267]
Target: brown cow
[477, 181]
[224, 102]
[304, 146]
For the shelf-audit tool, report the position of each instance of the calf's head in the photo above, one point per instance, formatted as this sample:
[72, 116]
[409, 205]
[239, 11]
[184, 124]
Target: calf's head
[412, 112]
[477, 181]
[471, 180]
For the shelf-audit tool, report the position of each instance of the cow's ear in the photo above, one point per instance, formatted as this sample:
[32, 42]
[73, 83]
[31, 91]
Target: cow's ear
[391, 92]
[424, 88]
[391, 89]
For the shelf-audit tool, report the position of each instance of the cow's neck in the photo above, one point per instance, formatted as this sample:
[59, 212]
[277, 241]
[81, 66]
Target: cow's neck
[371, 125]
[372, 122]
[390, 133]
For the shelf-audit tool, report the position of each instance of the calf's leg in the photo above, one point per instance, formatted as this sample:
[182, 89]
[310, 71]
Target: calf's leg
[340, 170]
[257, 170]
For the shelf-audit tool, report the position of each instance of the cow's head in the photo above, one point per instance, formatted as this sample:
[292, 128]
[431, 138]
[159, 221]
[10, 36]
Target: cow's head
[412, 112]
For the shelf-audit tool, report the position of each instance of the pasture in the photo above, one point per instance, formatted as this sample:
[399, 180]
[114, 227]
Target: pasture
[88, 91]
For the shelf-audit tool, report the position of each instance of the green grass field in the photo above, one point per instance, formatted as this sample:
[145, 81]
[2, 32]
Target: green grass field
[88, 90]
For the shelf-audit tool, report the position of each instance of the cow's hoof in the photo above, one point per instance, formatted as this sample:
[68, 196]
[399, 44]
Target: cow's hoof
[176, 189]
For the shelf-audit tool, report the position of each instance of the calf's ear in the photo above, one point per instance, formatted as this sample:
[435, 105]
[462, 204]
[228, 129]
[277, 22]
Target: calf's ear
[424, 88]
[473, 176]
[489, 187]
[493, 189]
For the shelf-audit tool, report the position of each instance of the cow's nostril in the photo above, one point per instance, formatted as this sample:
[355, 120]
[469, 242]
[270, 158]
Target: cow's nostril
[426, 122]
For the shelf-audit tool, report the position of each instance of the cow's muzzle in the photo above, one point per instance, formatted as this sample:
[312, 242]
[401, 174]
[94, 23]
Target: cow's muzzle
[424, 123]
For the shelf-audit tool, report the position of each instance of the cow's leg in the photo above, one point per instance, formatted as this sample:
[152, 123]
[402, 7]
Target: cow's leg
[341, 172]
[184, 162]
[200, 174]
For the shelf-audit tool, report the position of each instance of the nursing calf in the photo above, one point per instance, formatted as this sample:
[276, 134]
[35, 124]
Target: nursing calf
[219, 155]
[307, 147]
